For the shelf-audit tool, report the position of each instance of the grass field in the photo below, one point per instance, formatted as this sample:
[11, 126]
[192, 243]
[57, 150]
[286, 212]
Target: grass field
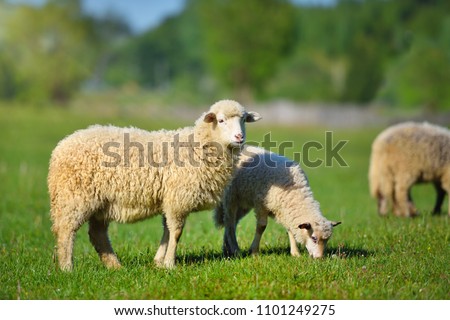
[369, 257]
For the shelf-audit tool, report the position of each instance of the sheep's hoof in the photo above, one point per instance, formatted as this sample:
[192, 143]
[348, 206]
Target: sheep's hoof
[169, 265]
[111, 262]
[66, 268]
[113, 266]
[234, 254]
[159, 263]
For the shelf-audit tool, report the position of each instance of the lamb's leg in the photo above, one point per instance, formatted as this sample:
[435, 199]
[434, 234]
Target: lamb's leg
[230, 245]
[439, 198]
[293, 244]
[175, 226]
[261, 224]
[161, 253]
[98, 234]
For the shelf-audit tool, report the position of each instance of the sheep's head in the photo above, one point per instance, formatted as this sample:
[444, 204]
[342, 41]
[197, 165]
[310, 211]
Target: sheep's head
[227, 119]
[315, 236]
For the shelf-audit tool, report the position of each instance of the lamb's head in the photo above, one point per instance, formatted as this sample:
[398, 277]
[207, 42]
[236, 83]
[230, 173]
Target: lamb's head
[226, 120]
[315, 236]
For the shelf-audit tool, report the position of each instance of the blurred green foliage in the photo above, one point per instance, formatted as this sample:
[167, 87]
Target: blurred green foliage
[392, 52]
[48, 52]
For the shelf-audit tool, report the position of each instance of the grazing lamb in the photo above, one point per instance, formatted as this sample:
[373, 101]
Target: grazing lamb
[274, 186]
[104, 173]
[405, 154]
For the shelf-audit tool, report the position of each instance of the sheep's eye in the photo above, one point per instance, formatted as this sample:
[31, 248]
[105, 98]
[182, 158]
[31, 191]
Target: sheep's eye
[221, 121]
[314, 239]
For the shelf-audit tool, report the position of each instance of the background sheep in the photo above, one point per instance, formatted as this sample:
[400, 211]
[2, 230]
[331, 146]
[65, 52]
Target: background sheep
[403, 155]
[274, 186]
[104, 174]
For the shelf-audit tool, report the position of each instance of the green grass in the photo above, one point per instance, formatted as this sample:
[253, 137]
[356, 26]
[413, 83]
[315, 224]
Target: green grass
[369, 257]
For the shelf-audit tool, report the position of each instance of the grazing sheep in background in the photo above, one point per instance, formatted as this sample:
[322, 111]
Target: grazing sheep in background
[94, 177]
[405, 154]
[274, 186]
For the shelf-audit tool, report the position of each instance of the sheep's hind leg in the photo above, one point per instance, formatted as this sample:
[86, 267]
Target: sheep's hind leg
[161, 253]
[382, 202]
[261, 224]
[230, 244]
[65, 230]
[404, 205]
[98, 235]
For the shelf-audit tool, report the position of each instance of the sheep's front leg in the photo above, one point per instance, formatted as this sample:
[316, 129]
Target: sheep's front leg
[175, 226]
[293, 244]
[440, 195]
[382, 204]
[161, 253]
[261, 224]
[446, 187]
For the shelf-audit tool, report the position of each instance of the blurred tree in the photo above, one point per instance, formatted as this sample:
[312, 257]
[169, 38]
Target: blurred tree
[53, 48]
[365, 71]
[8, 83]
[306, 76]
[420, 78]
[7, 76]
[419, 72]
[245, 40]
[369, 39]
[156, 57]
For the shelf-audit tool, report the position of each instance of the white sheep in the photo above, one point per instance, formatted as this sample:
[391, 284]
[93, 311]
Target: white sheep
[104, 173]
[405, 154]
[274, 186]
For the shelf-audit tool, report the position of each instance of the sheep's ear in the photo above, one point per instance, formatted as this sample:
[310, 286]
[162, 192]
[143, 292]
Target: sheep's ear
[334, 223]
[209, 117]
[306, 226]
[252, 116]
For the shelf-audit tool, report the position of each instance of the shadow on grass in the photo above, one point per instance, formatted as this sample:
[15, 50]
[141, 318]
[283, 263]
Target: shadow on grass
[341, 251]
[200, 257]
[344, 252]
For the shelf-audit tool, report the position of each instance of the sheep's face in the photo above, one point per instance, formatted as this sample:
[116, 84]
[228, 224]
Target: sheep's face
[230, 128]
[315, 237]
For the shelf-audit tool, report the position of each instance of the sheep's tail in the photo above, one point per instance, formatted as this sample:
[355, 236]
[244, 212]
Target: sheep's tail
[374, 183]
[381, 181]
[219, 215]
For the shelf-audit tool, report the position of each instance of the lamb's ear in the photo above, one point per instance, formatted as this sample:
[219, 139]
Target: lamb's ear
[252, 116]
[306, 226]
[334, 223]
[209, 117]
